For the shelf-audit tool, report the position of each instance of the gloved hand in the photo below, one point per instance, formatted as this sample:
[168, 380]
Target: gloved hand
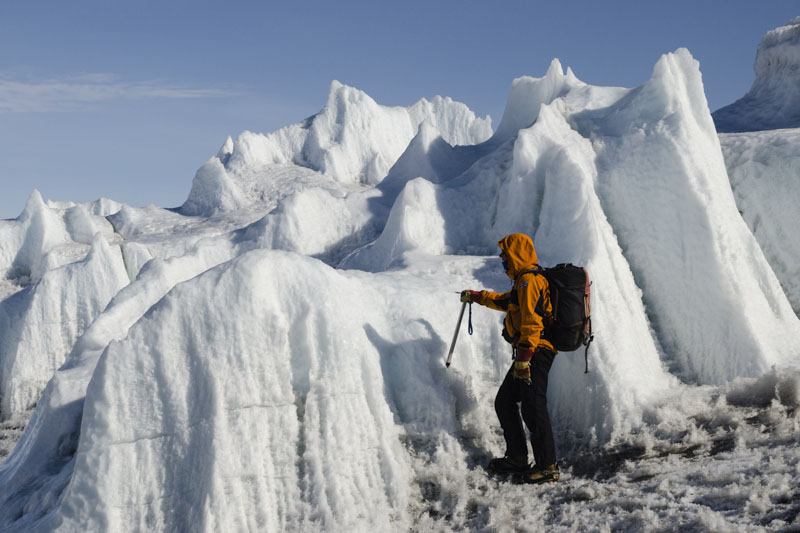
[469, 297]
[522, 363]
[522, 370]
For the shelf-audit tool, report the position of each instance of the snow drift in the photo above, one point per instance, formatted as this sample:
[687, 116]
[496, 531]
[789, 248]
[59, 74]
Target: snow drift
[276, 361]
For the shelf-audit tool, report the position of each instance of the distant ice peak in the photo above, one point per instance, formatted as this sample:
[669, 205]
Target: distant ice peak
[351, 140]
[773, 102]
[225, 151]
[528, 94]
[779, 49]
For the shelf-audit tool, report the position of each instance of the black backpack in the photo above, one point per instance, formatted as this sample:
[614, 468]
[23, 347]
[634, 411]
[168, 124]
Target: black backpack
[571, 324]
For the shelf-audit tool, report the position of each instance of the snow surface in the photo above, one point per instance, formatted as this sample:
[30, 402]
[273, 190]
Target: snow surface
[774, 99]
[269, 356]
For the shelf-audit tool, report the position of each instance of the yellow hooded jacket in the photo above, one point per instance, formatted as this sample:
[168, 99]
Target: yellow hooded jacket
[528, 302]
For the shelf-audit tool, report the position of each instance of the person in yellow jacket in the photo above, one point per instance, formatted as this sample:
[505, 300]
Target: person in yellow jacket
[528, 308]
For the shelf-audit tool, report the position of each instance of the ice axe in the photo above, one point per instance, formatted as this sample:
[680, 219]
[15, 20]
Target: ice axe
[458, 328]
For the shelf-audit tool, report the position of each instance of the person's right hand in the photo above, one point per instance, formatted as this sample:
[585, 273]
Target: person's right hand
[469, 297]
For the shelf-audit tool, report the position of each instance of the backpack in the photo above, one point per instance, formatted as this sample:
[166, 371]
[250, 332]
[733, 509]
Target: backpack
[570, 326]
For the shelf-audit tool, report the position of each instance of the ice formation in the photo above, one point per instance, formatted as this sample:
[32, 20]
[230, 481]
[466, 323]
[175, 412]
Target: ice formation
[351, 140]
[763, 168]
[774, 99]
[269, 356]
[39, 325]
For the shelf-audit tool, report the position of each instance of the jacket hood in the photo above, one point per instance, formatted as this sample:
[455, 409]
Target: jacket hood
[520, 251]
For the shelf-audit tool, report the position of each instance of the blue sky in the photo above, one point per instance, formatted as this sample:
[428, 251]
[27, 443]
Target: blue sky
[126, 99]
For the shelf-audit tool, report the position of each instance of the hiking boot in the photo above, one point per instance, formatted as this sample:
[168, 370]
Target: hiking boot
[546, 475]
[509, 465]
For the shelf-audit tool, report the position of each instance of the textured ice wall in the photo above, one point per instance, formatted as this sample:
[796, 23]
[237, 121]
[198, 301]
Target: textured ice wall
[41, 464]
[713, 299]
[39, 325]
[241, 401]
[763, 168]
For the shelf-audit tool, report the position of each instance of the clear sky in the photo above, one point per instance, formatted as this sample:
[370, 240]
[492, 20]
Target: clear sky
[125, 99]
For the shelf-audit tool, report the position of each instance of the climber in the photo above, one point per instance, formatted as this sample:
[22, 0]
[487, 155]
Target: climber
[524, 389]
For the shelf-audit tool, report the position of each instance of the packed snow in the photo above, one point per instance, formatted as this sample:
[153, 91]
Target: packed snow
[270, 355]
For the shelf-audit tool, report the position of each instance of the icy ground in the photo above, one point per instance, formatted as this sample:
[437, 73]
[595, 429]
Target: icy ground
[269, 355]
[729, 463]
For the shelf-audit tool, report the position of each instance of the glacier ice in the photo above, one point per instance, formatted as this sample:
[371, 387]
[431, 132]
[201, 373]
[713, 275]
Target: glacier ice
[39, 325]
[763, 168]
[269, 355]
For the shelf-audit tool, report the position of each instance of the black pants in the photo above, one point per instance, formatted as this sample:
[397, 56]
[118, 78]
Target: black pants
[533, 404]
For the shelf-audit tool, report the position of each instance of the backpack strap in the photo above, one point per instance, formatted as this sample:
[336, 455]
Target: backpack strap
[546, 317]
[536, 270]
[588, 341]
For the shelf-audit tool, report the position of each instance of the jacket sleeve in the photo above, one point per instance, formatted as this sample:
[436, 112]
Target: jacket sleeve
[533, 302]
[495, 300]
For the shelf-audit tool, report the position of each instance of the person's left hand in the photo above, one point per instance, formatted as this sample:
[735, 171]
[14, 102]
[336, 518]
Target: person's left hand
[522, 370]
[522, 363]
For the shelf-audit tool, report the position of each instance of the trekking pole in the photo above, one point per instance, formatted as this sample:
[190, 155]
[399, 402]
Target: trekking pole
[455, 335]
